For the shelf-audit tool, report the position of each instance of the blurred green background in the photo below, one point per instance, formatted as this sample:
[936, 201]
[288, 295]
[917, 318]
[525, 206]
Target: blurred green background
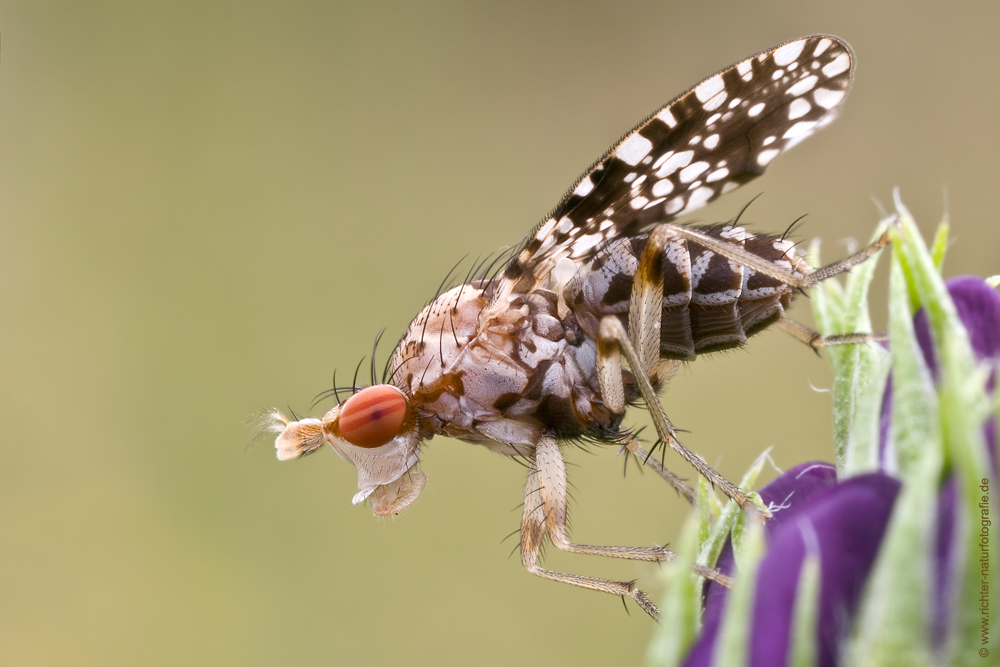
[206, 207]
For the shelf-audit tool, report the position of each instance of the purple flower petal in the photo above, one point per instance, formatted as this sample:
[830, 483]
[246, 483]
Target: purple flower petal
[947, 515]
[800, 483]
[792, 488]
[978, 306]
[845, 522]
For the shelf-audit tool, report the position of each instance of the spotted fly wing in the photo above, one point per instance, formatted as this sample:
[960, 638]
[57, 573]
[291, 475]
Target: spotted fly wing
[708, 141]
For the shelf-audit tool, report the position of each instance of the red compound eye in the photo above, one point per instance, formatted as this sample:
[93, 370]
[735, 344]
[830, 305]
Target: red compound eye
[373, 416]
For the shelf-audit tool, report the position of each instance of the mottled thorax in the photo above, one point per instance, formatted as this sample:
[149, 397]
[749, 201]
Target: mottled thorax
[499, 374]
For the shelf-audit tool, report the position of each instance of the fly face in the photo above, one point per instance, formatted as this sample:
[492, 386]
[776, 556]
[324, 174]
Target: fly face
[375, 430]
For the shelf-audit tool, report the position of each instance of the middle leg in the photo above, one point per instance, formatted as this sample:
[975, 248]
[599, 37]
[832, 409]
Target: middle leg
[641, 346]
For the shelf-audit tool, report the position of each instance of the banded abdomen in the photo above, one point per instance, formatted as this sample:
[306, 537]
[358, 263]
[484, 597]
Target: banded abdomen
[710, 303]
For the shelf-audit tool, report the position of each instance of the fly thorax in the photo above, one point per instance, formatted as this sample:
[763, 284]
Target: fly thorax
[423, 364]
[538, 368]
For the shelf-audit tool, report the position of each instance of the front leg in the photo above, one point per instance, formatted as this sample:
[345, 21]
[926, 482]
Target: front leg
[545, 506]
[545, 513]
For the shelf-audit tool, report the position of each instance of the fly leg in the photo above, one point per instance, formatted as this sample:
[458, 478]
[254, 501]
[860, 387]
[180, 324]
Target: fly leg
[613, 337]
[641, 347]
[543, 497]
[800, 332]
[545, 514]
[645, 311]
[768, 268]
[664, 371]
[816, 340]
[634, 448]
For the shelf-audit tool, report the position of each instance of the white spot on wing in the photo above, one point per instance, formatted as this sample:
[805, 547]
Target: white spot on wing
[839, 64]
[634, 149]
[744, 69]
[803, 86]
[565, 225]
[768, 141]
[664, 187]
[789, 52]
[755, 109]
[765, 157]
[674, 205]
[798, 108]
[699, 197]
[712, 141]
[803, 128]
[827, 98]
[675, 162]
[663, 158]
[716, 175]
[822, 46]
[667, 117]
[585, 243]
[547, 243]
[544, 230]
[692, 172]
[708, 88]
[584, 188]
[716, 101]
[638, 202]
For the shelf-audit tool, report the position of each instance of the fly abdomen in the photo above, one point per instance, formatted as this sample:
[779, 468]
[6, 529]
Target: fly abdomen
[710, 303]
